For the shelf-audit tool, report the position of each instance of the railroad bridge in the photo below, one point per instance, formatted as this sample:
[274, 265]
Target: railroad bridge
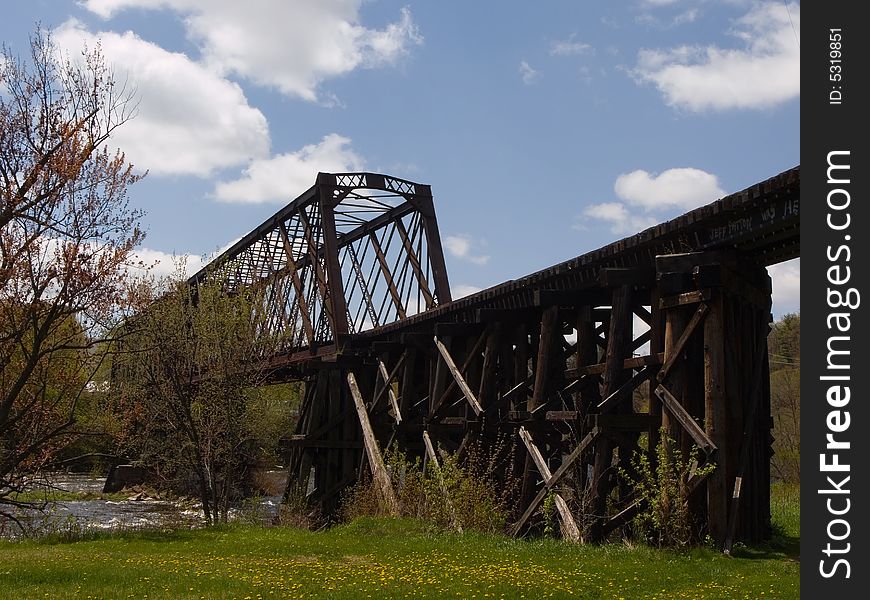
[577, 366]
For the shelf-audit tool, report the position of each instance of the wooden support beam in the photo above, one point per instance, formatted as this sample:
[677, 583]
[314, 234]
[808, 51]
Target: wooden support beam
[677, 351]
[687, 261]
[685, 298]
[686, 421]
[458, 329]
[546, 344]
[433, 458]
[626, 389]
[623, 517]
[749, 423]
[376, 460]
[549, 325]
[394, 402]
[457, 377]
[561, 415]
[572, 532]
[629, 363]
[716, 417]
[553, 480]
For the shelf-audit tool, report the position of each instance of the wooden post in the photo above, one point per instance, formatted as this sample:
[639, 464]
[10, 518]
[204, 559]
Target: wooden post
[549, 330]
[376, 460]
[715, 417]
[617, 341]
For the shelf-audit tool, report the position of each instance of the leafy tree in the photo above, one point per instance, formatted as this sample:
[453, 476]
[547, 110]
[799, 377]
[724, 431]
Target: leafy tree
[188, 385]
[66, 238]
[784, 347]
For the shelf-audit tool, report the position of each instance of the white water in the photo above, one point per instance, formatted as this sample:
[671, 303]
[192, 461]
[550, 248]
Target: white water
[64, 515]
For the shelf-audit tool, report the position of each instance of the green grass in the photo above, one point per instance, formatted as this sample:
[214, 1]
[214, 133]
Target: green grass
[378, 558]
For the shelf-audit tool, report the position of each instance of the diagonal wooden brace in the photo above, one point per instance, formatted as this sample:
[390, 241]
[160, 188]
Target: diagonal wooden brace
[569, 525]
[457, 376]
[685, 419]
[553, 480]
[376, 460]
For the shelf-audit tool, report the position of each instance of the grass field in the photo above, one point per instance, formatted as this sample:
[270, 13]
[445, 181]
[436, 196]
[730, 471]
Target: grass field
[378, 558]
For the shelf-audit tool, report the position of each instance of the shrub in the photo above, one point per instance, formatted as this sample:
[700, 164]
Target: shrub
[661, 488]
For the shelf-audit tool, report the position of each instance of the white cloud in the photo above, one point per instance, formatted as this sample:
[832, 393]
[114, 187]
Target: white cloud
[763, 73]
[570, 47]
[620, 219]
[292, 46]
[160, 264]
[460, 246]
[528, 74]
[462, 290]
[283, 177]
[189, 120]
[684, 188]
[688, 16]
[786, 286]
[643, 194]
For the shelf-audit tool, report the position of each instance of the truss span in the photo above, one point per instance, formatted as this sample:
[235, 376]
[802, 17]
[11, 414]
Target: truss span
[355, 251]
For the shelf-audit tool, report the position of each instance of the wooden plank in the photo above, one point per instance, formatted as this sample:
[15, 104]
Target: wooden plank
[561, 415]
[686, 298]
[376, 460]
[676, 352]
[553, 480]
[685, 419]
[382, 368]
[457, 377]
[570, 526]
[635, 362]
[536, 455]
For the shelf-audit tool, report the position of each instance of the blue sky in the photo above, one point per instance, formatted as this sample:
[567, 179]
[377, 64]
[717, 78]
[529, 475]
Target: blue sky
[546, 129]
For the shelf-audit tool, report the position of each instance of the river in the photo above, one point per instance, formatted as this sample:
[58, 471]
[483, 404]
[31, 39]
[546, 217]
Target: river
[77, 515]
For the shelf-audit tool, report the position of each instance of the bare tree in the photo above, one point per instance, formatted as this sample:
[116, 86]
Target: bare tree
[66, 237]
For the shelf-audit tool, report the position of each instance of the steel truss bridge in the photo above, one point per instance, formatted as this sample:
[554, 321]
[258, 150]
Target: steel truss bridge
[358, 300]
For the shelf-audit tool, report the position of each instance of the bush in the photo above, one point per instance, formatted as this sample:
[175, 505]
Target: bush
[661, 488]
[451, 496]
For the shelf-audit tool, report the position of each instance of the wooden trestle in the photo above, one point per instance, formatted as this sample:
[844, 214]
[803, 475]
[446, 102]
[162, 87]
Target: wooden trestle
[578, 366]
